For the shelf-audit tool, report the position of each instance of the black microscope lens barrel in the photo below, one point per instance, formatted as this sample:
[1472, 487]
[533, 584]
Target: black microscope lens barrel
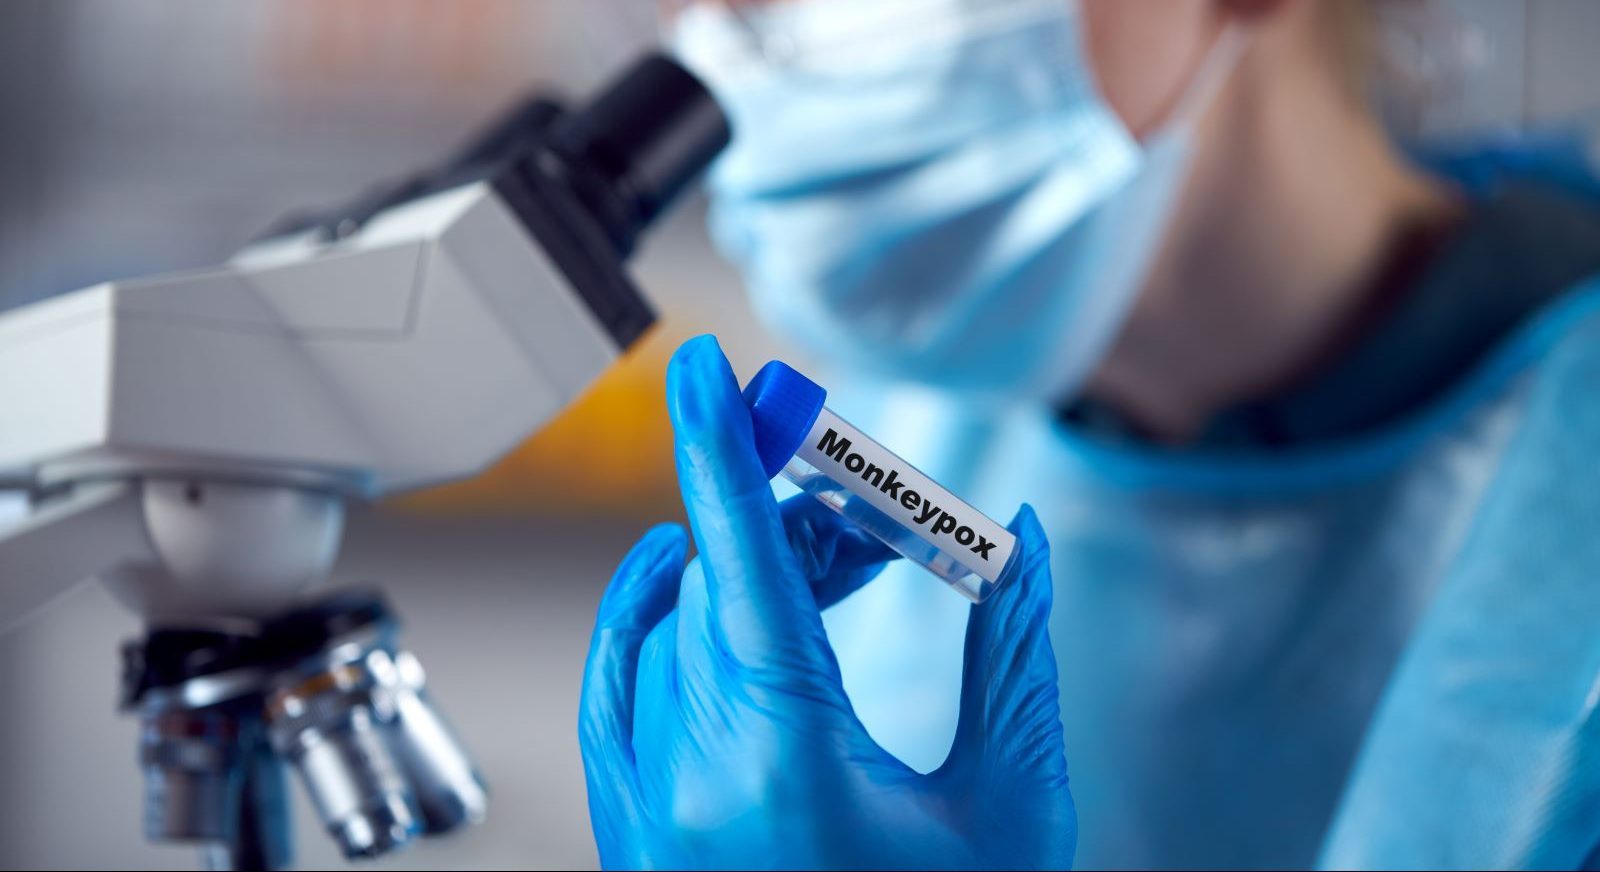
[648, 134]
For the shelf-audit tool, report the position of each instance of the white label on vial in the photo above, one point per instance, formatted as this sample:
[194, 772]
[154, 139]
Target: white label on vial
[897, 489]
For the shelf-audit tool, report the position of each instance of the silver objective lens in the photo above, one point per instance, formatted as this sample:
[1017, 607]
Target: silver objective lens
[210, 777]
[448, 790]
[192, 768]
[328, 725]
[325, 689]
[379, 763]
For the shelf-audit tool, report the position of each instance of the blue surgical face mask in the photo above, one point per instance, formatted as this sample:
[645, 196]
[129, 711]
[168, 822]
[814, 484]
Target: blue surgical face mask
[934, 189]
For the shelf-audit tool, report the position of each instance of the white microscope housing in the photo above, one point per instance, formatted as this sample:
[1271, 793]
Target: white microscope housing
[193, 440]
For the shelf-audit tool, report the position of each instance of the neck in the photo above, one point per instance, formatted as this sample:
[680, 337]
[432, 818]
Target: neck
[1296, 206]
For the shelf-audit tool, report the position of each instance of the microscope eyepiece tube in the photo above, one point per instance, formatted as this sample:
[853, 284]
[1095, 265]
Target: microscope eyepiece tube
[646, 137]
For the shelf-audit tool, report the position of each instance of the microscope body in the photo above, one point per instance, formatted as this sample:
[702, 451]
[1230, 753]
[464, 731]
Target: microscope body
[192, 440]
[216, 424]
[240, 408]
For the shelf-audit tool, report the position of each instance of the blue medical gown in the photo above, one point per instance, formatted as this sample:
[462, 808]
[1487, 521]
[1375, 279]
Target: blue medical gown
[1378, 651]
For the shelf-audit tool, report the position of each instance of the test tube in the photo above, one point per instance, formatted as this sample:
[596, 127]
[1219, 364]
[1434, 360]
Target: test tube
[798, 437]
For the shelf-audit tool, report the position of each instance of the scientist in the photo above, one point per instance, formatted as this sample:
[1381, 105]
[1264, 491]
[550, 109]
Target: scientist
[1312, 430]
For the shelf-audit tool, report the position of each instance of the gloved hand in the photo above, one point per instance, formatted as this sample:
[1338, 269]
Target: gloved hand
[717, 734]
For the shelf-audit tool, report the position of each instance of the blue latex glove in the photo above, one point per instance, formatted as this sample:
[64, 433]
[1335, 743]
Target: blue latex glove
[715, 730]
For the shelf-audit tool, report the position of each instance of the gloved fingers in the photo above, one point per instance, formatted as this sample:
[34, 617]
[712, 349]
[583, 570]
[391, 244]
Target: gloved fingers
[1010, 714]
[659, 710]
[761, 608]
[834, 555]
[640, 595]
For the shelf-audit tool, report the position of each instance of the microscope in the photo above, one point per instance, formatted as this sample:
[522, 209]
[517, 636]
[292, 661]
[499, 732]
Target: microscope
[192, 441]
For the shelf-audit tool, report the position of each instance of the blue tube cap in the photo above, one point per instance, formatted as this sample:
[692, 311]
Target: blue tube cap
[783, 406]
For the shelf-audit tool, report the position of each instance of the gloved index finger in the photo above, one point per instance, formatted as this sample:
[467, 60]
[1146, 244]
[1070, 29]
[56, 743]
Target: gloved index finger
[755, 591]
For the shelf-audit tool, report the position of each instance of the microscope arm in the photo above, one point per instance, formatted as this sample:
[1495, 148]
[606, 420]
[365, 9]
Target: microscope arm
[94, 527]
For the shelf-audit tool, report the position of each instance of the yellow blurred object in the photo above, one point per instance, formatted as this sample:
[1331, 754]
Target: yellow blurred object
[609, 455]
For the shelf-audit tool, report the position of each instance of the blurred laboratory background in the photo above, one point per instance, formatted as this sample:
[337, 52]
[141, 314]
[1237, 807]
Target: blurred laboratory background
[139, 136]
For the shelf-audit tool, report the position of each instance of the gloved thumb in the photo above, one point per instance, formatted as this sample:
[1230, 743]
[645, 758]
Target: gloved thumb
[1010, 718]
